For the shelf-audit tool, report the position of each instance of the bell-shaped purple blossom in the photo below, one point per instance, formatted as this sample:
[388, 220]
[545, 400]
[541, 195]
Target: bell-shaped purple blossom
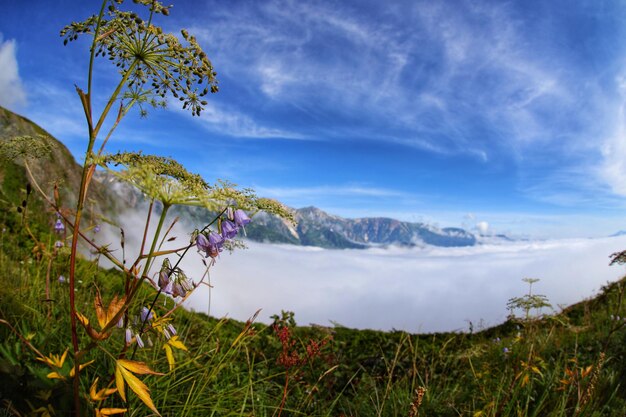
[241, 218]
[59, 226]
[139, 341]
[96, 228]
[229, 229]
[128, 336]
[211, 245]
[178, 290]
[172, 329]
[58, 244]
[164, 279]
[202, 243]
[146, 315]
[169, 288]
[62, 279]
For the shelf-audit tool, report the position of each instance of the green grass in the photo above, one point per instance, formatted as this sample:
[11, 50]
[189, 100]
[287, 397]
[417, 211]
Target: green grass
[570, 364]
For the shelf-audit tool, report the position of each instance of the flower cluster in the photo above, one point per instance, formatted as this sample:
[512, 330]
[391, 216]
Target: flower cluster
[211, 243]
[173, 281]
[153, 63]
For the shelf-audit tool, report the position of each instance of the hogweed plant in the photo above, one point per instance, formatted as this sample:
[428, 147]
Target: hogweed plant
[153, 66]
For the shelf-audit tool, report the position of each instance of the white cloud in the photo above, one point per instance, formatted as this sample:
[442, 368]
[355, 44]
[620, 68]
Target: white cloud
[231, 122]
[429, 289]
[417, 290]
[327, 191]
[614, 148]
[12, 93]
[482, 227]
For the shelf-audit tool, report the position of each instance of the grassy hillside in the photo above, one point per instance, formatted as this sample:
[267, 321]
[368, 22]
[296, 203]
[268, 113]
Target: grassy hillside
[568, 364]
[58, 167]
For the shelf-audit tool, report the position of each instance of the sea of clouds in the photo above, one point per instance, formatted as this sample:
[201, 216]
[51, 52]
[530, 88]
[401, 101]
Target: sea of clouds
[414, 289]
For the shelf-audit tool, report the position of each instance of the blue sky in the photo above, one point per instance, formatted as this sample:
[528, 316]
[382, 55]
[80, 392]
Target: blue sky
[451, 112]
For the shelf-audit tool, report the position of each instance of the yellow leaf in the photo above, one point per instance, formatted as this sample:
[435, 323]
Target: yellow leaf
[110, 411]
[55, 375]
[138, 387]
[105, 315]
[114, 307]
[81, 367]
[170, 356]
[175, 342]
[54, 360]
[84, 320]
[525, 380]
[100, 313]
[136, 367]
[119, 382]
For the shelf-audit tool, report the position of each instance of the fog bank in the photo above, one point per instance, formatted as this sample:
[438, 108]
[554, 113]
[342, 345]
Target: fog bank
[418, 290]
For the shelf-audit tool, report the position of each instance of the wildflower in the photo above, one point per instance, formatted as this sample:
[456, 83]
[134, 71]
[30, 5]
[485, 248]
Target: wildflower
[171, 328]
[129, 336]
[505, 350]
[58, 244]
[241, 218]
[229, 229]
[120, 323]
[96, 228]
[62, 279]
[164, 279]
[139, 341]
[59, 226]
[211, 245]
[178, 290]
[146, 315]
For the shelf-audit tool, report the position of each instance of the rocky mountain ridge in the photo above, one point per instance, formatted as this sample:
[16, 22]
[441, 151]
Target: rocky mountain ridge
[313, 226]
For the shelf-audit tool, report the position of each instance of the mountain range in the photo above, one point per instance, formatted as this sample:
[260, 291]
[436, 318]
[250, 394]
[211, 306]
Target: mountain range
[313, 227]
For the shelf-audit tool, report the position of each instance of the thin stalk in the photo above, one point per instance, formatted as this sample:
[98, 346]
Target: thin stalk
[155, 240]
[93, 47]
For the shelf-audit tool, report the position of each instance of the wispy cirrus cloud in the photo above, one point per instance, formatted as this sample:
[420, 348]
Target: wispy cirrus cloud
[232, 122]
[481, 80]
[327, 190]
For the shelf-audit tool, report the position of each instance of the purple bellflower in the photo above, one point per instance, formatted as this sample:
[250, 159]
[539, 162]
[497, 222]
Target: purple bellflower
[211, 245]
[146, 315]
[241, 218]
[229, 229]
[59, 226]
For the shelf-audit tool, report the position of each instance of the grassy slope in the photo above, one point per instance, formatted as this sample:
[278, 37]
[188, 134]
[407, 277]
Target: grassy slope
[359, 373]
[568, 364]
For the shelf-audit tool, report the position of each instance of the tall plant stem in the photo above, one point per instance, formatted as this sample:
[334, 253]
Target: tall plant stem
[88, 170]
[155, 240]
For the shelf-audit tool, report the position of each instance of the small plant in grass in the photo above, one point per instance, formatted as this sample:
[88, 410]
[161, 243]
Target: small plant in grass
[294, 355]
[153, 66]
[528, 302]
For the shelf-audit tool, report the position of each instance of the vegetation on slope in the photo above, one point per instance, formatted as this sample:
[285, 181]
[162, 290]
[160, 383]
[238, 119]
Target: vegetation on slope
[567, 364]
